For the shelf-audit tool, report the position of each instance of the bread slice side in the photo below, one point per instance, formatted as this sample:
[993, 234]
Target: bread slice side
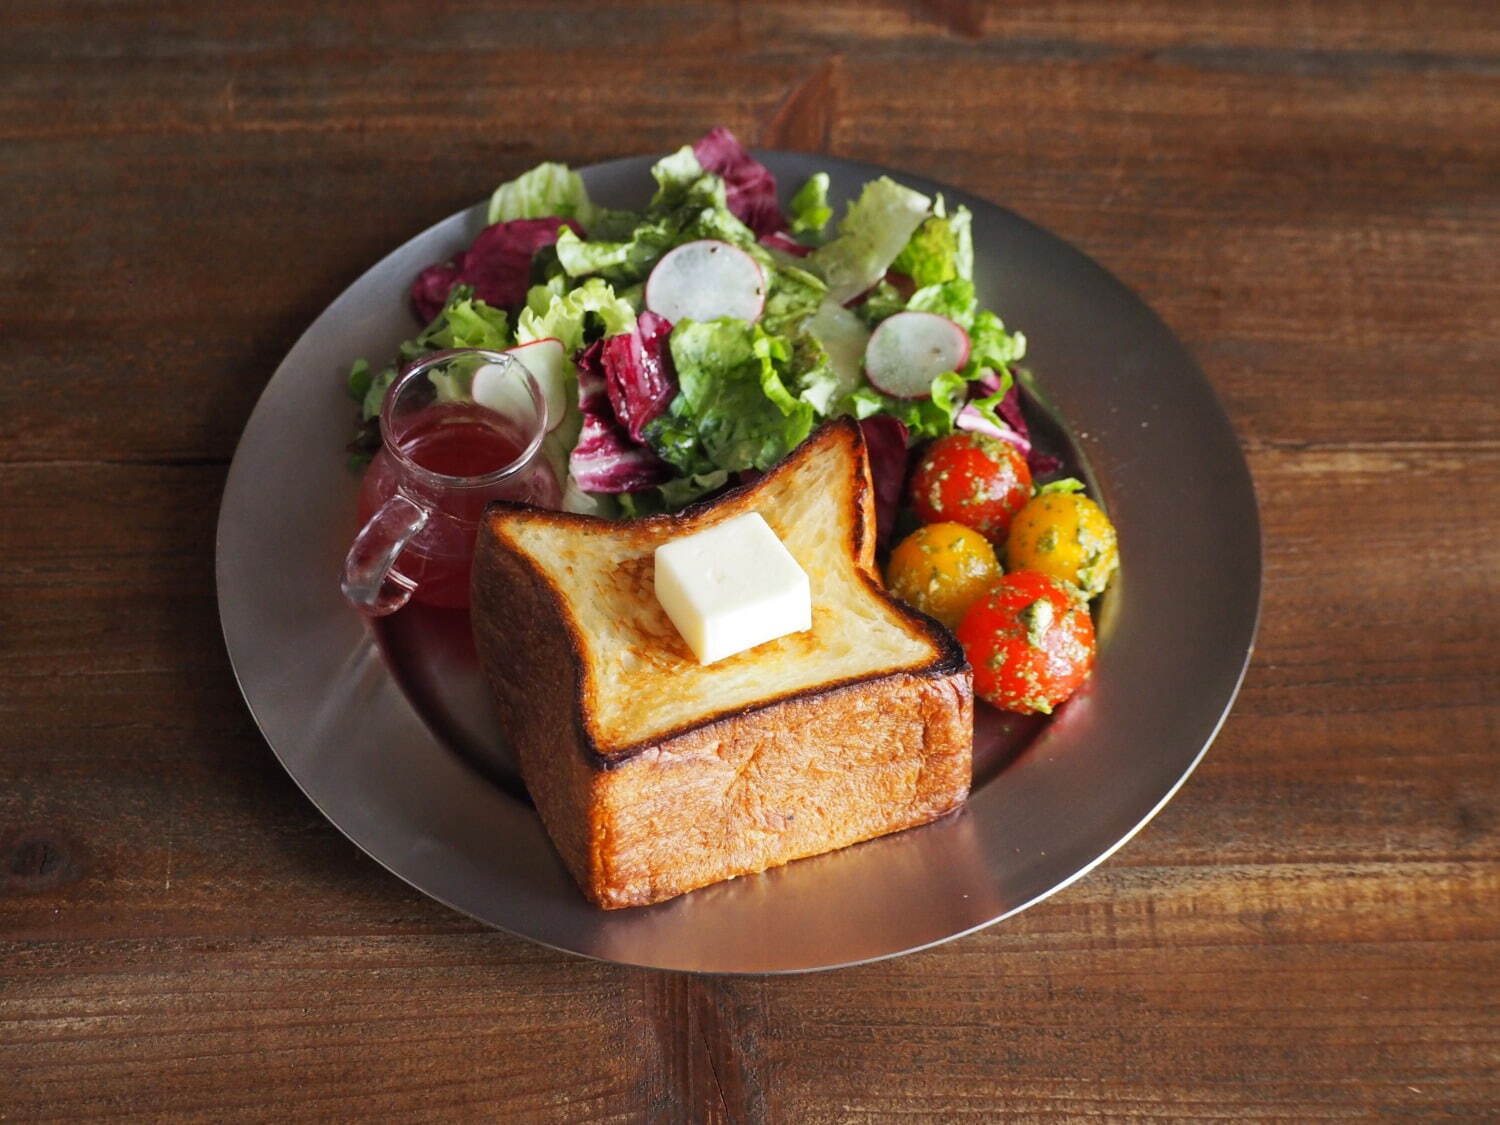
[635, 681]
[795, 779]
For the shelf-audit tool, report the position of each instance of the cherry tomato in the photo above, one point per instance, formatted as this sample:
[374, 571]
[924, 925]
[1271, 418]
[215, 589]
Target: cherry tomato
[972, 479]
[942, 569]
[1030, 641]
[1064, 535]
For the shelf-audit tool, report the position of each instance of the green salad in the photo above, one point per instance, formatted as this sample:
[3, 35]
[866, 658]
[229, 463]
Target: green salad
[699, 340]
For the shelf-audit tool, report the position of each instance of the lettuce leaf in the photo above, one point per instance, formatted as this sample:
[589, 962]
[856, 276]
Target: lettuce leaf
[922, 417]
[684, 490]
[561, 313]
[961, 222]
[991, 346]
[624, 262]
[872, 233]
[462, 322]
[982, 413]
[548, 190]
[953, 299]
[689, 204]
[813, 378]
[733, 409]
[882, 301]
[674, 175]
[810, 210]
[467, 322]
[792, 296]
[942, 249]
[1062, 484]
[930, 258]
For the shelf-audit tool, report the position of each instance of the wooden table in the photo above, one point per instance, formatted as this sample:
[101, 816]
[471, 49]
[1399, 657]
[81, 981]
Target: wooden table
[1308, 193]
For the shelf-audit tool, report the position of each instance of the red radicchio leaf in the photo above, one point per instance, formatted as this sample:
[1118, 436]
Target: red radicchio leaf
[430, 291]
[638, 372]
[1038, 462]
[605, 459]
[900, 282]
[778, 240]
[885, 446]
[749, 186]
[497, 265]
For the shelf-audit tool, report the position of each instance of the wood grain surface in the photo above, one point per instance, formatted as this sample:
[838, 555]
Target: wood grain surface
[1309, 194]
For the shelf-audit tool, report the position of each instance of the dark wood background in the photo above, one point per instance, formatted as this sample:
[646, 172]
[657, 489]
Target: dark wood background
[1309, 193]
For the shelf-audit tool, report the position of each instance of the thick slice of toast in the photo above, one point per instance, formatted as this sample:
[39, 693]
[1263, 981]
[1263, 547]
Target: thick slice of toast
[654, 774]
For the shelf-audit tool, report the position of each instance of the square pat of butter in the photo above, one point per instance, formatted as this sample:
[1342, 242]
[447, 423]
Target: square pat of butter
[731, 587]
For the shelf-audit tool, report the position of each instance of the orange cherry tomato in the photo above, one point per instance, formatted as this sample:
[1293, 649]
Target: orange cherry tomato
[972, 479]
[1064, 535]
[942, 569]
[1031, 643]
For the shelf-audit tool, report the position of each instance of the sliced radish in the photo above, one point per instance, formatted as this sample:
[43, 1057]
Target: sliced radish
[844, 337]
[705, 280]
[499, 387]
[911, 349]
[548, 362]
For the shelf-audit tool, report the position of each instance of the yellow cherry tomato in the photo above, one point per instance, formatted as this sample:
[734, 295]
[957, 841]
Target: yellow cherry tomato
[942, 569]
[1064, 535]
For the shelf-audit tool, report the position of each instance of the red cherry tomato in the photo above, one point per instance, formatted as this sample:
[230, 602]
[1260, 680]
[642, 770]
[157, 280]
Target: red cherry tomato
[972, 479]
[1030, 642]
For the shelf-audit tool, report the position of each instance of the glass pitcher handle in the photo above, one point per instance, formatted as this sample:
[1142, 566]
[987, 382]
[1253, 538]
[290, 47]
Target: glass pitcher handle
[371, 581]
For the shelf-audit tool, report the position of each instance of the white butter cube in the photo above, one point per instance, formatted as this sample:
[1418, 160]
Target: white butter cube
[732, 587]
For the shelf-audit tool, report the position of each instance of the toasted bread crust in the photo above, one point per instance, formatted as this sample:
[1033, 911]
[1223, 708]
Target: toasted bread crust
[496, 540]
[740, 789]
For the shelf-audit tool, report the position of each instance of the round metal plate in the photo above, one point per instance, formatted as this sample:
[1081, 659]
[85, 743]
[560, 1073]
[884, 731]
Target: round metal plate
[390, 734]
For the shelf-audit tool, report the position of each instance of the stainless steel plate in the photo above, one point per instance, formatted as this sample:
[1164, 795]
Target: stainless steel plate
[390, 734]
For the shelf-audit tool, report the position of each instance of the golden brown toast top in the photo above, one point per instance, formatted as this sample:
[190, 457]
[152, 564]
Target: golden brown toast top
[638, 680]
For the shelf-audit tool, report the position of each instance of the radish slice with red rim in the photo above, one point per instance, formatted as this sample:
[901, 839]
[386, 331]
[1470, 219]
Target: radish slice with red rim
[705, 280]
[909, 350]
[549, 365]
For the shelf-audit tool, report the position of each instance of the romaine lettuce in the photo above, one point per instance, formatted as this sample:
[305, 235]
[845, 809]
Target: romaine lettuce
[882, 301]
[674, 175]
[810, 210]
[462, 322]
[733, 409]
[923, 417]
[561, 314]
[991, 346]
[792, 296]
[872, 232]
[942, 249]
[953, 299]
[547, 190]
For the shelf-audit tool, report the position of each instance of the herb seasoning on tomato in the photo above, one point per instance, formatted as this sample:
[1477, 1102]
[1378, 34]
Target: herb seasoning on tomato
[972, 479]
[1064, 535]
[1030, 641]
